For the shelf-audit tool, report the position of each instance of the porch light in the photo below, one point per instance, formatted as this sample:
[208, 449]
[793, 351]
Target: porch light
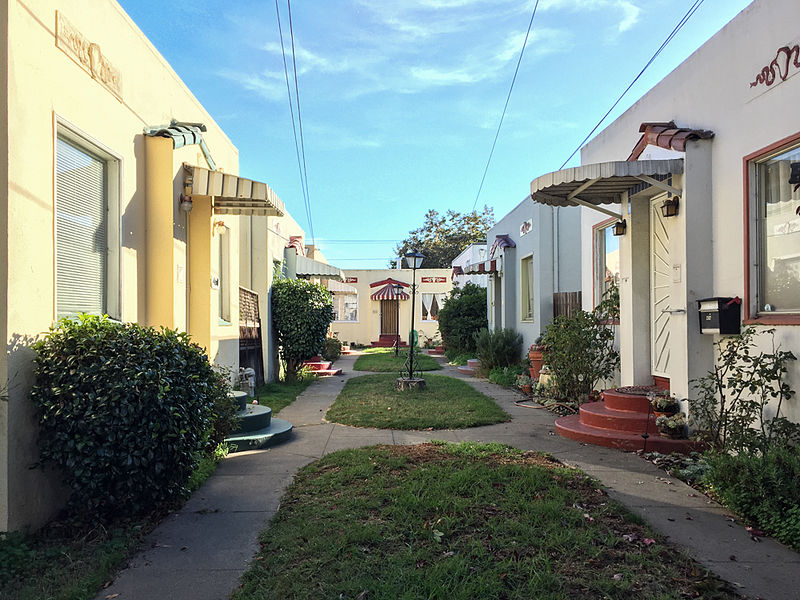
[219, 227]
[670, 206]
[619, 227]
[186, 203]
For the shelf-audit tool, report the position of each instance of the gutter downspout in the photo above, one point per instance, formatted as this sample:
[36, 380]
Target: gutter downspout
[555, 250]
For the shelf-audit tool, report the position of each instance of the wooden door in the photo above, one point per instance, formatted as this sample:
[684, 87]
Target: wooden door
[389, 317]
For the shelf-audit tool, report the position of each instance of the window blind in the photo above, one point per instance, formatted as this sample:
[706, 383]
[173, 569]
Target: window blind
[81, 231]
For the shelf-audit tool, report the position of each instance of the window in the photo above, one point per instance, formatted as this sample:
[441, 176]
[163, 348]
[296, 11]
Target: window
[345, 307]
[224, 272]
[87, 228]
[526, 286]
[774, 184]
[431, 303]
[606, 259]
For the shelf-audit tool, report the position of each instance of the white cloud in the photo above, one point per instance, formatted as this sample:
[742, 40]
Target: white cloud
[628, 9]
[270, 86]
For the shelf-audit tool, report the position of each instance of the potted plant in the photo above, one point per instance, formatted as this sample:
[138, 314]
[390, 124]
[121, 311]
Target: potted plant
[664, 405]
[672, 426]
[525, 383]
[536, 356]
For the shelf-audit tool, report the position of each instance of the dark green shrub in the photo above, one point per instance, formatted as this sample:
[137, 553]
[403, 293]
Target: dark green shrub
[125, 411]
[764, 489]
[332, 349]
[461, 317]
[506, 376]
[301, 313]
[500, 348]
[15, 556]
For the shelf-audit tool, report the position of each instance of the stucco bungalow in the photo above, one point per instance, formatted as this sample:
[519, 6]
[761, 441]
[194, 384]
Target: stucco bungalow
[702, 176]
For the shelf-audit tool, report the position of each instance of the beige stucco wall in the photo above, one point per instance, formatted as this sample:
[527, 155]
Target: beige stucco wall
[711, 90]
[367, 328]
[47, 87]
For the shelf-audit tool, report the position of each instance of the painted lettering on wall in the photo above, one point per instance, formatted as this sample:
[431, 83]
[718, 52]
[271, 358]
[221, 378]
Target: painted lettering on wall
[87, 55]
[434, 280]
[351, 279]
[526, 226]
[785, 59]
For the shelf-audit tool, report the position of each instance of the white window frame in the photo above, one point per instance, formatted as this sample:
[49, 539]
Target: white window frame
[599, 236]
[336, 299]
[440, 300]
[113, 199]
[526, 314]
[224, 273]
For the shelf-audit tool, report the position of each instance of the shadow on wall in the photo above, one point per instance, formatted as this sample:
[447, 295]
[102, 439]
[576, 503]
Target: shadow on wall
[133, 232]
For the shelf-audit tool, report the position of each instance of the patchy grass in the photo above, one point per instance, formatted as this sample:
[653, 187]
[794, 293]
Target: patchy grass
[445, 403]
[383, 360]
[279, 395]
[460, 522]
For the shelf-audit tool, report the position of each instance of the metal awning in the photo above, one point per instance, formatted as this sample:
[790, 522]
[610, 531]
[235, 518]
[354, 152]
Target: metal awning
[337, 287]
[494, 265]
[232, 195]
[604, 183]
[308, 267]
[388, 292]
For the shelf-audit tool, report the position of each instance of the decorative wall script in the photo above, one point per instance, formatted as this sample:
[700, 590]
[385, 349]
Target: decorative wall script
[351, 279]
[434, 280]
[786, 58]
[526, 226]
[87, 55]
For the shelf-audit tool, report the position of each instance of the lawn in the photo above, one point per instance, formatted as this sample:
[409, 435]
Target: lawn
[280, 395]
[383, 360]
[445, 403]
[461, 522]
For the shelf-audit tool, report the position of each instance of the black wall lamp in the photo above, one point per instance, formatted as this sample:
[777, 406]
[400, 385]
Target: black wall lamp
[670, 206]
[619, 227]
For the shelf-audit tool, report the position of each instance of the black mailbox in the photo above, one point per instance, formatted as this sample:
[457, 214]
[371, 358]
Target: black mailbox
[720, 315]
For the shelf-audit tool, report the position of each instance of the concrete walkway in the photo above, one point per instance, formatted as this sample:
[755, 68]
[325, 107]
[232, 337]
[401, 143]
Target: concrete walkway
[200, 552]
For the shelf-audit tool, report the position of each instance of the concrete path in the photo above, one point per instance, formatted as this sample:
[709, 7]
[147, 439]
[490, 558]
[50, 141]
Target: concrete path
[200, 552]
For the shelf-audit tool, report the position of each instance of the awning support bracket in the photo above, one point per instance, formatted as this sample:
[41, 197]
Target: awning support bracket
[605, 211]
[660, 185]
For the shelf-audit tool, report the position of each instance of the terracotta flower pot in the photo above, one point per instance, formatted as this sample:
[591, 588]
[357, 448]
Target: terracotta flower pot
[526, 388]
[537, 360]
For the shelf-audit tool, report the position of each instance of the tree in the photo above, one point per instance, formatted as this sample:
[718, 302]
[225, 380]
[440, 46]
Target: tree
[301, 313]
[443, 237]
[461, 317]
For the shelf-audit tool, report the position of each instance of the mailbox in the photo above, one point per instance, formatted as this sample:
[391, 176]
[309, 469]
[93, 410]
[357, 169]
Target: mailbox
[720, 315]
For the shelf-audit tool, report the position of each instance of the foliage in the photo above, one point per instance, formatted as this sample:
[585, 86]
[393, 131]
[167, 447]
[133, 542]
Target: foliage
[205, 469]
[674, 422]
[461, 522]
[280, 394]
[506, 376]
[331, 349]
[456, 358]
[15, 555]
[443, 237]
[301, 312]
[664, 402]
[461, 317]
[579, 350]
[125, 411]
[764, 489]
[524, 379]
[499, 348]
[383, 360]
[444, 403]
[735, 398]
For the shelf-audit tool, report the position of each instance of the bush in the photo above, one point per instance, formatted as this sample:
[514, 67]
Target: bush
[764, 489]
[125, 411]
[461, 317]
[579, 350]
[332, 349]
[301, 312]
[501, 348]
[506, 376]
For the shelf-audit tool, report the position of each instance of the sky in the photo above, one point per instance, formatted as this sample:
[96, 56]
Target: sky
[400, 99]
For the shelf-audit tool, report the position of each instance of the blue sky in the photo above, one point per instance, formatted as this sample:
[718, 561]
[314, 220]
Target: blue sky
[400, 100]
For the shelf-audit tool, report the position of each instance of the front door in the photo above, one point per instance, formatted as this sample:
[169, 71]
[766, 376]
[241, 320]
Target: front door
[660, 288]
[389, 317]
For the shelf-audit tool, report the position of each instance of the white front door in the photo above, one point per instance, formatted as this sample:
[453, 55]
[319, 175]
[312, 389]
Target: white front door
[660, 286]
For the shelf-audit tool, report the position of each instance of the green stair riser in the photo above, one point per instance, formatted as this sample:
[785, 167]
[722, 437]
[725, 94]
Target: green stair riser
[253, 418]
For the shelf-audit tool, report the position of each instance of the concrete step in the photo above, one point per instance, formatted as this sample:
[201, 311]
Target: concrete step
[328, 372]
[620, 400]
[253, 418]
[474, 364]
[322, 365]
[464, 370]
[253, 440]
[597, 414]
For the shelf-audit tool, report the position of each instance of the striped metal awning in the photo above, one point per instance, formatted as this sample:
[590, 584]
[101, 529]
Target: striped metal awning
[337, 287]
[495, 265]
[388, 292]
[232, 195]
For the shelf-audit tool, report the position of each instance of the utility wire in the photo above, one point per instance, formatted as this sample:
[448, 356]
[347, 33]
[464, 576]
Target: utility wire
[291, 109]
[692, 9]
[508, 98]
[300, 123]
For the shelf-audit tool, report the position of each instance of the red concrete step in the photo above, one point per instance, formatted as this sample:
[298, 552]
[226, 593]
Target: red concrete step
[318, 365]
[387, 344]
[616, 400]
[572, 428]
[597, 414]
[466, 371]
[474, 364]
[328, 372]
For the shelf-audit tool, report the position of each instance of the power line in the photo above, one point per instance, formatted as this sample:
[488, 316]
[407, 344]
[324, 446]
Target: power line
[673, 33]
[508, 98]
[300, 123]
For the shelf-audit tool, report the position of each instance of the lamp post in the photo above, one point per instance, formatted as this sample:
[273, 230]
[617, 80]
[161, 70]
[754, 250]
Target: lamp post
[414, 261]
[398, 289]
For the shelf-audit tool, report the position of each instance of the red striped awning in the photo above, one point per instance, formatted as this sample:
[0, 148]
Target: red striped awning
[388, 292]
[494, 265]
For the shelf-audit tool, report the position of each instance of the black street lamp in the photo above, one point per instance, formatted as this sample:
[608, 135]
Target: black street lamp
[414, 261]
[398, 289]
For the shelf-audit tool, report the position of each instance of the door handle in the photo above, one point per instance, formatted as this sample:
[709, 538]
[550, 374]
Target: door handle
[674, 311]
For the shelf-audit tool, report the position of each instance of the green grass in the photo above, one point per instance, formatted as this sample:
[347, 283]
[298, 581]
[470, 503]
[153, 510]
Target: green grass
[460, 522]
[445, 403]
[383, 360]
[279, 395]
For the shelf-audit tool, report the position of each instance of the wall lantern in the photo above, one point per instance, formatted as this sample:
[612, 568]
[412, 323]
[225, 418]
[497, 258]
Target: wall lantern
[670, 207]
[186, 203]
[619, 227]
[219, 227]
